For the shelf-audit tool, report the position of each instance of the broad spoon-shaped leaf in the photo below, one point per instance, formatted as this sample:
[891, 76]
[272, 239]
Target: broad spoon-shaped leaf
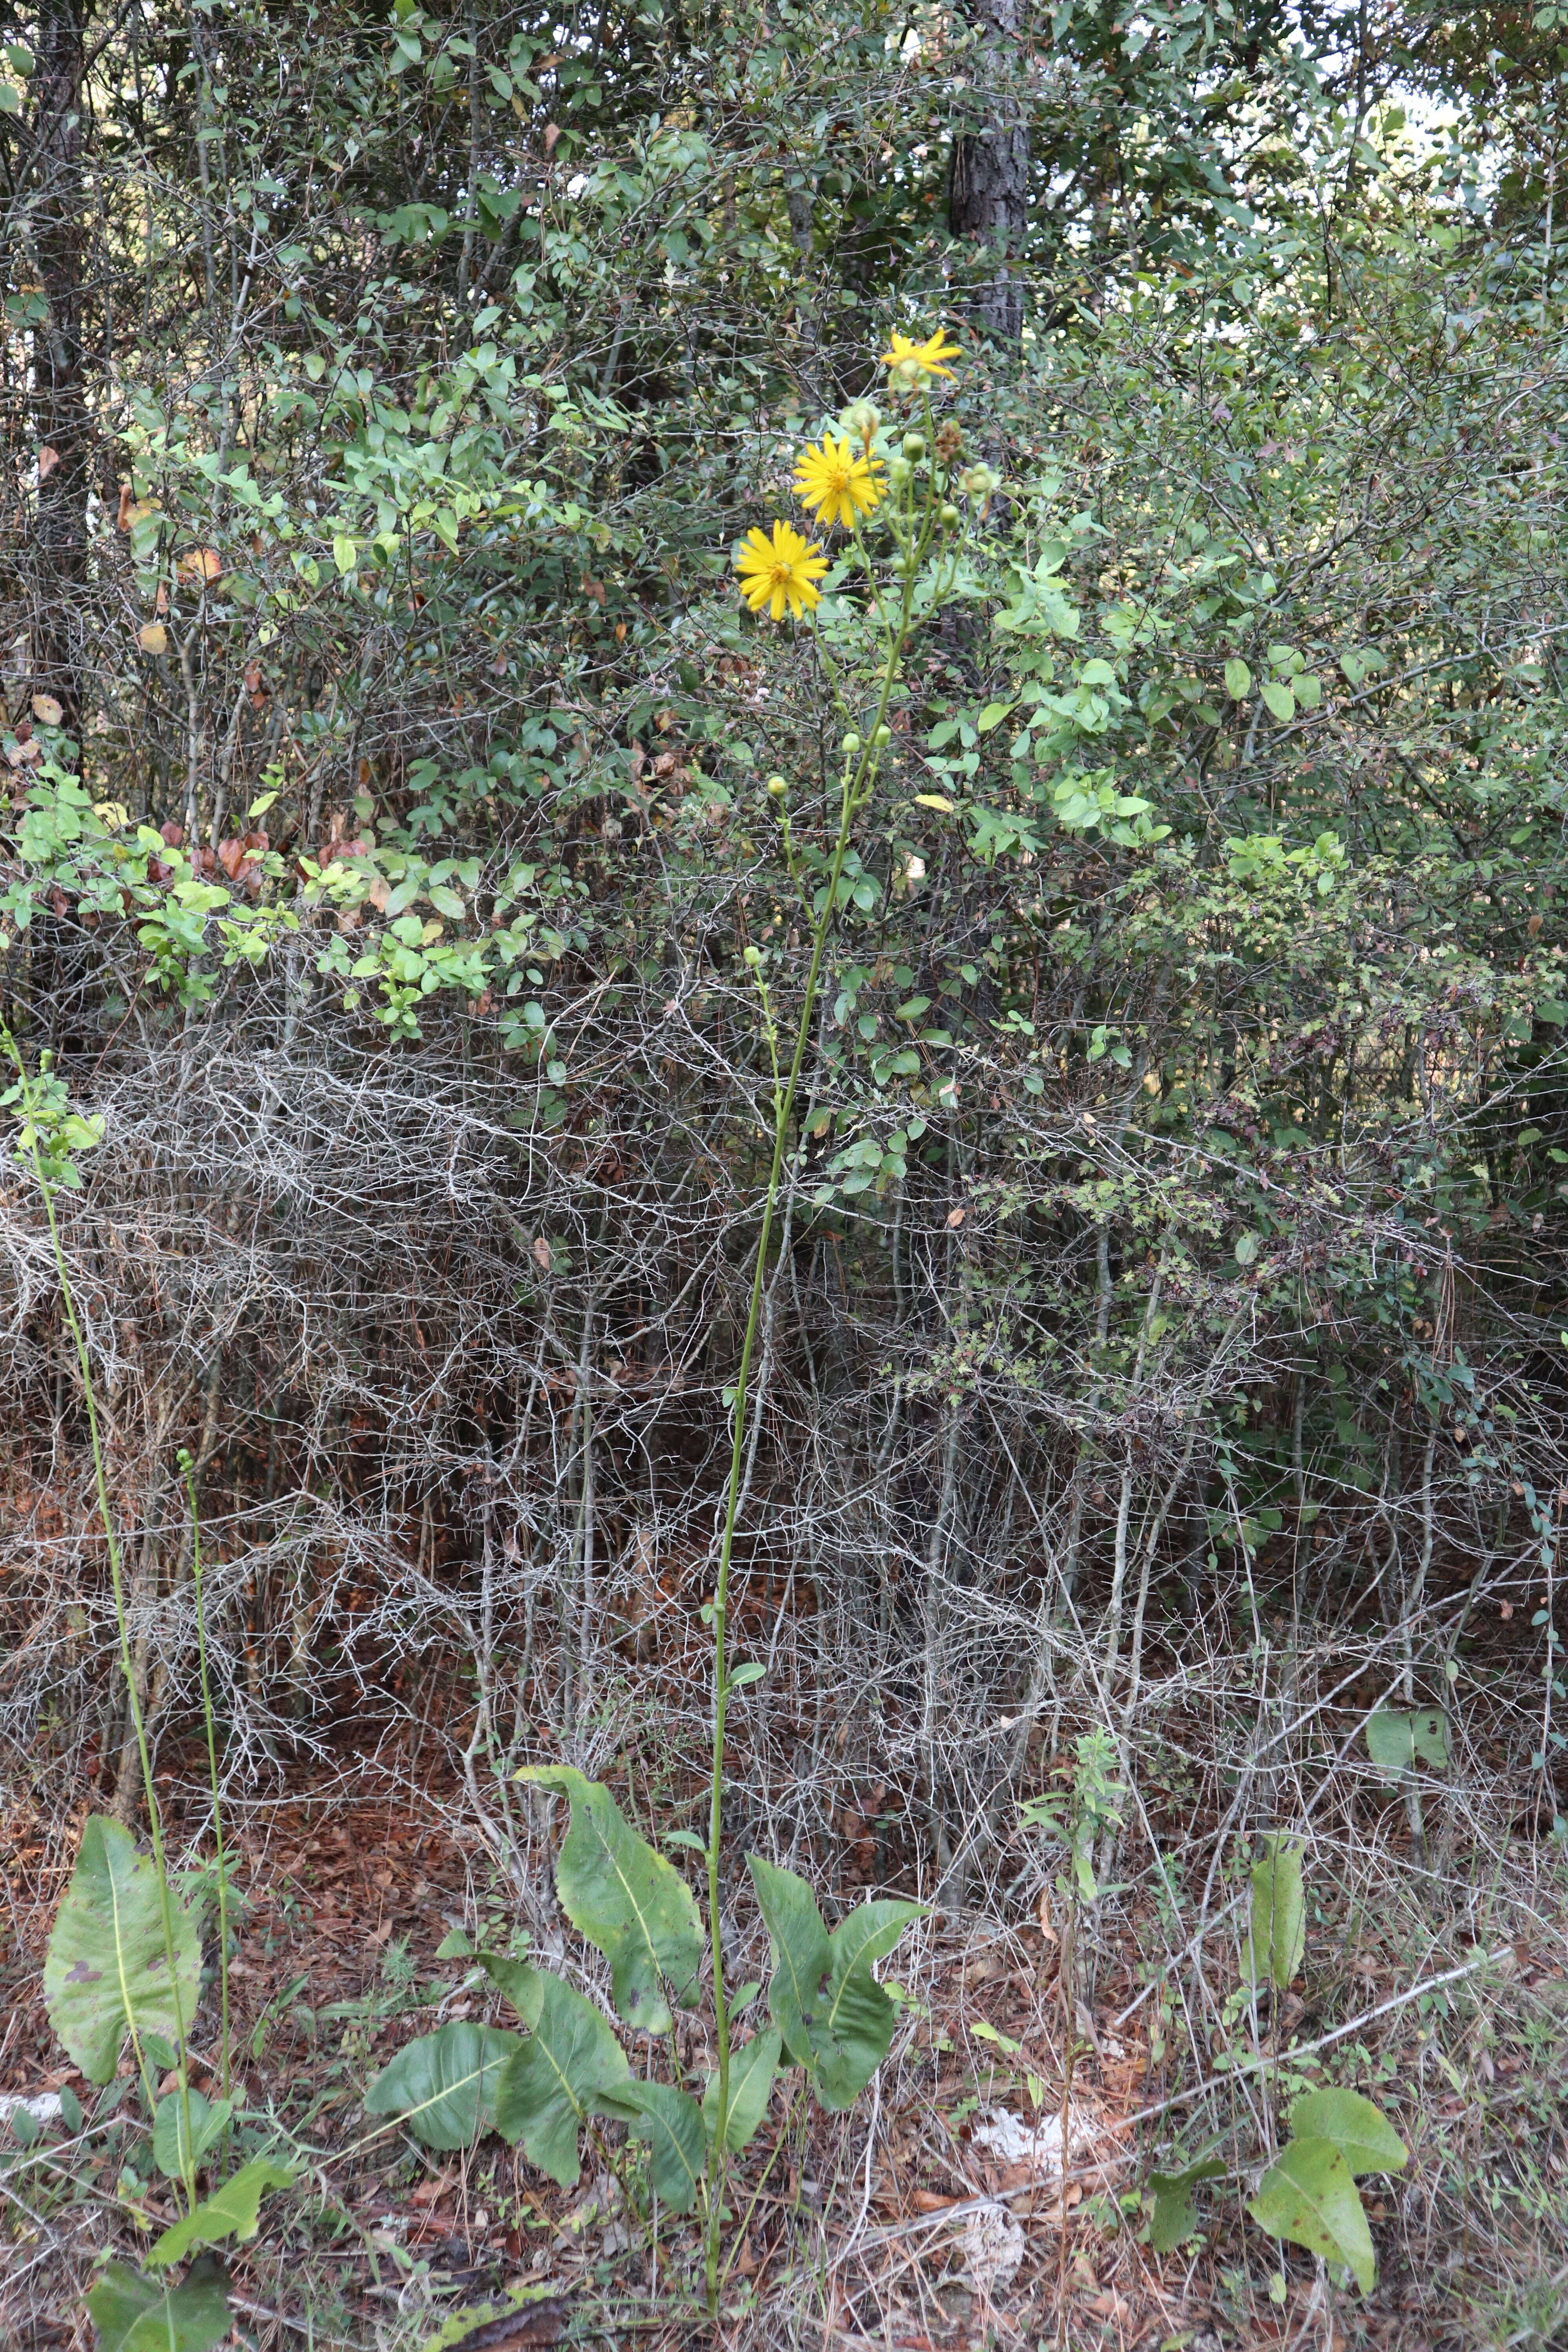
[834, 2017]
[1309, 2197]
[132, 2314]
[558, 2078]
[627, 1900]
[444, 2085]
[232, 2212]
[107, 1962]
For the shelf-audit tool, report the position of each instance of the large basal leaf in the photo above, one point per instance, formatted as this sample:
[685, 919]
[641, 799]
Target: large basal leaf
[834, 2017]
[1398, 1739]
[443, 2085]
[1172, 2211]
[520, 1981]
[133, 2314]
[670, 2122]
[752, 2070]
[627, 1900]
[1360, 2131]
[176, 2151]
[524, 2316]
[1309, 2197]
[232, 2212]
[557, 2079]
[1277, 1932]
[107, 1961]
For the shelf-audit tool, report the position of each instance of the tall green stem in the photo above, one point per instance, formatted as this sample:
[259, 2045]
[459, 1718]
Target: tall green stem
[855, 789]
[67, 1299]
[189, 1467]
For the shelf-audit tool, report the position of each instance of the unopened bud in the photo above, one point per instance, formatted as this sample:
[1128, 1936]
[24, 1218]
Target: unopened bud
[914, 445]
[777, 788]
[882, 735]
[979, 482]
[899, 472]
[949, 518]
[861, 418]
[851, 744]
[752, 958]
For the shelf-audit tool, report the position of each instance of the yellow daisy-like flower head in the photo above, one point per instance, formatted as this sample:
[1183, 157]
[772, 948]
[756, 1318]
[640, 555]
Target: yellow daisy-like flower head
[780, 572]
[838, 481]
[910, 364]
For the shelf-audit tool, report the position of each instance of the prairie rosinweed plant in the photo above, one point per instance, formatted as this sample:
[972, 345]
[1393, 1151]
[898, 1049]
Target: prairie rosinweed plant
[124, 1961]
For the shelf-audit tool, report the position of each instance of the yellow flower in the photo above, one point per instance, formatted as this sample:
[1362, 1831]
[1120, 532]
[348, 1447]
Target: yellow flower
[910, 361]
[781, 572]
[838, 481]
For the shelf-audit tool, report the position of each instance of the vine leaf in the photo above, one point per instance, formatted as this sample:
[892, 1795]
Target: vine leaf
[1309, 2197]
[559, 2077]
[135, 2314]
[1360, 2131]
[443, 2085]
[106, 1961]
[670, 2122]
[1398, 1738]
[231, 2212]
[834, 2019]
[1276, 1933]
[628, 1901]
[751, 2071]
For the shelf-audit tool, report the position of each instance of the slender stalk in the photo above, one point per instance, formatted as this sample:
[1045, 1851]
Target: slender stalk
[189, 1467]
[68, 1298]
[858, 781]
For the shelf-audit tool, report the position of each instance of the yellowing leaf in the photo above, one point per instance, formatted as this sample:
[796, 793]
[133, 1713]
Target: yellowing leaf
[153, 638]
[46, 710]
[933, 801]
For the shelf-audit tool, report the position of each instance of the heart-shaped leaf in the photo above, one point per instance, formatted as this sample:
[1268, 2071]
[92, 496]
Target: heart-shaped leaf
[627, 1900]
[1309, 2198]
[1360, 2131]
[555, 2080]
[443, 2085]
[107, 1961]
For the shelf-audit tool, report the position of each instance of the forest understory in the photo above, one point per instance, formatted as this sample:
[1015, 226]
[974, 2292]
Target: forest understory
[783, 1177]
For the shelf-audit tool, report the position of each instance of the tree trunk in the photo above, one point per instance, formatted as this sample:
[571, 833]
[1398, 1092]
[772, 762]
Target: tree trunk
[988, 190]
[60, 393]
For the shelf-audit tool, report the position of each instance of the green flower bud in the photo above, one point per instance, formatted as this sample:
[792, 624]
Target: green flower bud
[899, 472]
[949, 518]
[914, 445]
[883, 735]
[861, 418]
[752, 958]
[777, 788]
[979, 482]
[851, 744]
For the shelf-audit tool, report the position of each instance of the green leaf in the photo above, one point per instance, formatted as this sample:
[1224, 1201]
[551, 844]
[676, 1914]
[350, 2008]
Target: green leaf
[231, 2212]
[1308, 692]
[1237, 679]
[670, 2122]
[1397, 1737]
[557, 2079]
[1280, 700]
[993, 715]
[133, 2314]
[345, 555]
[10, 98]
[627, 1900]
[752, 2070]
[1172, 2212]
[834, 2017]
[176, 2154]
[444, 2085]
[520, 1981]
[1277, 1934]
[106, 1960]
[799, 1943]
[1360, 2131]
[1309, 2198]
